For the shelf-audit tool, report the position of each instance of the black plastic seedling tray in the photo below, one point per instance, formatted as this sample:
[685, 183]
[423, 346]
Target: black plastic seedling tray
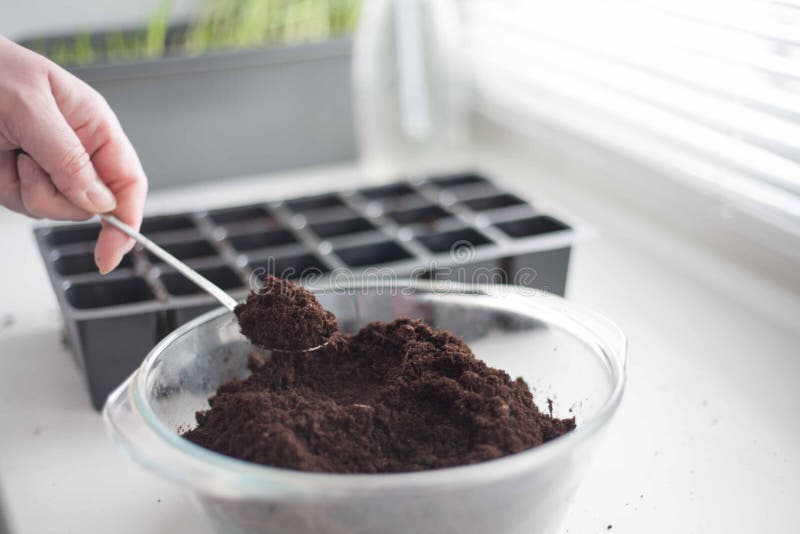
[457, 227]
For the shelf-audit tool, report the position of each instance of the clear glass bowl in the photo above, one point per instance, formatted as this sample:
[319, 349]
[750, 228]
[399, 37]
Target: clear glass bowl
[565, 353]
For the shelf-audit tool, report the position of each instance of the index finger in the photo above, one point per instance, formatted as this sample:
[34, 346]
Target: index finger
[112, 244]
[113, 158]
[119, 167]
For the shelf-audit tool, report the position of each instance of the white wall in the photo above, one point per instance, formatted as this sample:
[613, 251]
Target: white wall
[27, 18]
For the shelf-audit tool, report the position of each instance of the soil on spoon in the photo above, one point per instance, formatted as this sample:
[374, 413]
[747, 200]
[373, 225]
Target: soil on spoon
[284, 316]
[393, 397]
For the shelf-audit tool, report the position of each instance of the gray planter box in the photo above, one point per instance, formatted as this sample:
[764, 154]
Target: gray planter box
[229, 114]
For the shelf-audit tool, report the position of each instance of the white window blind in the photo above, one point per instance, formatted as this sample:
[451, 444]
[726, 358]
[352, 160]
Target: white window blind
[708, 91]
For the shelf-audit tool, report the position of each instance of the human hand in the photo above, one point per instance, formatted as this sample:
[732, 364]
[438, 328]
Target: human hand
[63, 154]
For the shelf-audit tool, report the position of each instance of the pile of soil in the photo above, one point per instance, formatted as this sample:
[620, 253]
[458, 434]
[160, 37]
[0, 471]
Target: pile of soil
[394, 397]
[284, 316]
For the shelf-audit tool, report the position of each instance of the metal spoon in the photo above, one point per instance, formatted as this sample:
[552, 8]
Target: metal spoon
[204, 283]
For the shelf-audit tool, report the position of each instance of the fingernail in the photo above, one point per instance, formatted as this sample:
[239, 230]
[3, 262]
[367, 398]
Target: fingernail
[99, 195]
[98, 261]
[102, 271]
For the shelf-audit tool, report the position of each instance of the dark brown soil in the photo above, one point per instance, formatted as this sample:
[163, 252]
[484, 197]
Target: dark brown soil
[394, 397]
[284, 316]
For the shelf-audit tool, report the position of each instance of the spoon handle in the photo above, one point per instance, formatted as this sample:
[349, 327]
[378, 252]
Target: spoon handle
[204, 283]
